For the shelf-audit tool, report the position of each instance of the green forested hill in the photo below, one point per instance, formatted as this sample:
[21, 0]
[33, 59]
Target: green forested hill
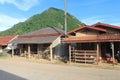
[50, 17]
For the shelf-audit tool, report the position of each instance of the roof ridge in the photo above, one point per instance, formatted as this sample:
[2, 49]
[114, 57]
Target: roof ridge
[56, 29]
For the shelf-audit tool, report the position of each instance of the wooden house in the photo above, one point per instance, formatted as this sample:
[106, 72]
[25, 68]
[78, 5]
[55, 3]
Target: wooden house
[43, 43]
[93, 44]
[4, 40]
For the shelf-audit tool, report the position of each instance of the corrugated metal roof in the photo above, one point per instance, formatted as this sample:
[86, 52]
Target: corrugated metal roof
[5, 39]
[35, 40]
[48, 30]
[42, 36]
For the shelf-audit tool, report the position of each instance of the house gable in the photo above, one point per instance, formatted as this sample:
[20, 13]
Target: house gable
[98, 32]
[109, 28]
[86, 31]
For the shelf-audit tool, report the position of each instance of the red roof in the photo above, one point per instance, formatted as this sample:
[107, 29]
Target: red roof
[105, 25]
[96, 27]
[93, 28]
[5, 39]
[87, 27]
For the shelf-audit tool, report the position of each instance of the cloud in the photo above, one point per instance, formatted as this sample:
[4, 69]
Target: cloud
[21, 4]
[108, 19]
[116, 23]
[7, 21]
[93, 20]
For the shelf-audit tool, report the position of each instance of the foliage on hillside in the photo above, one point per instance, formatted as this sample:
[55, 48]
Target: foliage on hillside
[51, 17]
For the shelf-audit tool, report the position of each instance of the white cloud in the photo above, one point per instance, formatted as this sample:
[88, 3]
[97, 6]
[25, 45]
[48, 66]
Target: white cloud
[93, 20]
[21, 4]
[7, 21]
[116, 23]
[104, 19]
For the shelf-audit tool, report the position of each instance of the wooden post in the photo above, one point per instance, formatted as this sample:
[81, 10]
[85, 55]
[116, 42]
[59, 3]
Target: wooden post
[12, 50]
[85, 57]
[51, 54]
[38, 49]
[97, 56]
[29, 52]
[112, 45]
[20, 49]
[70, 53]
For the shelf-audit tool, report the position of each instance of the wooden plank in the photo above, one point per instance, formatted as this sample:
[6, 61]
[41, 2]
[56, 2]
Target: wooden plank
[79, 57]
[82, 54]
[84, 50]
[84, 61]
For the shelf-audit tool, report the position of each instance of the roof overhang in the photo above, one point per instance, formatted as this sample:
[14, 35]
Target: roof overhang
[87, 39]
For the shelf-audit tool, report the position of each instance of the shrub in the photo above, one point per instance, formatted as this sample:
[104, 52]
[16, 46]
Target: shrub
[4, 54]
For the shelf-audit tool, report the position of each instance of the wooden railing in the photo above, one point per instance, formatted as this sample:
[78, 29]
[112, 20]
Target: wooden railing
[84, 56]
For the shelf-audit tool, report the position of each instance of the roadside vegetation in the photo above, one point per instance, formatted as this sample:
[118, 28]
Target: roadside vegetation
[4, 55]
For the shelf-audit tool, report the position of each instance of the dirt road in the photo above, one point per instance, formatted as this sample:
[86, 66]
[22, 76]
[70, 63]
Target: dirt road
[24, 70]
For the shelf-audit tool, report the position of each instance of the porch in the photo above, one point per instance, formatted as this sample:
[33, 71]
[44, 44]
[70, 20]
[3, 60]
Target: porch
[104, 52]
[103, 48]
[34, 50]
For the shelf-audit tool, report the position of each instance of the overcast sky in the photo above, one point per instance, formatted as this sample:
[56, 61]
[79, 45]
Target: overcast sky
[87, 11]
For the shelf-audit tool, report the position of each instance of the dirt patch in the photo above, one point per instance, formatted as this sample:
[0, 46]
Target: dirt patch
[57, 62]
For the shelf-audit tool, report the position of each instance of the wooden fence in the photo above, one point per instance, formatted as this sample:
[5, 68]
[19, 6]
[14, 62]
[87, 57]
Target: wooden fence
[83, 56]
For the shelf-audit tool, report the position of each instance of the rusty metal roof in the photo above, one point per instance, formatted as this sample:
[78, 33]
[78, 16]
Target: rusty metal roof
[45, 35]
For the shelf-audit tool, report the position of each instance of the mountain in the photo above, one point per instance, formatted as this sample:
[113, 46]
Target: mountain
[51, 17]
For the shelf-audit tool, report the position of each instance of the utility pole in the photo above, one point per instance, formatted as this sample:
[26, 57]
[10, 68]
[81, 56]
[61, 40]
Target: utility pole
[65, 18]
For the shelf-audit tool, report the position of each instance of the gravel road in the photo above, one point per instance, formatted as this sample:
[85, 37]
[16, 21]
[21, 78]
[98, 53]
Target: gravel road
[24, 70]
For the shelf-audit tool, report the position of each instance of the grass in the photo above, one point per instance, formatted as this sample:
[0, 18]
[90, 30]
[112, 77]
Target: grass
[4, 55]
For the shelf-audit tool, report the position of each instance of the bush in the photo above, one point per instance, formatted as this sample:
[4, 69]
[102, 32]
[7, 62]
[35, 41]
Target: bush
[4, 55]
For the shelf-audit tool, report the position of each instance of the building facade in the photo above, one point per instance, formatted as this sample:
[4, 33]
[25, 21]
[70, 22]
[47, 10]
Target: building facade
[44, 43]
[93, 44]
